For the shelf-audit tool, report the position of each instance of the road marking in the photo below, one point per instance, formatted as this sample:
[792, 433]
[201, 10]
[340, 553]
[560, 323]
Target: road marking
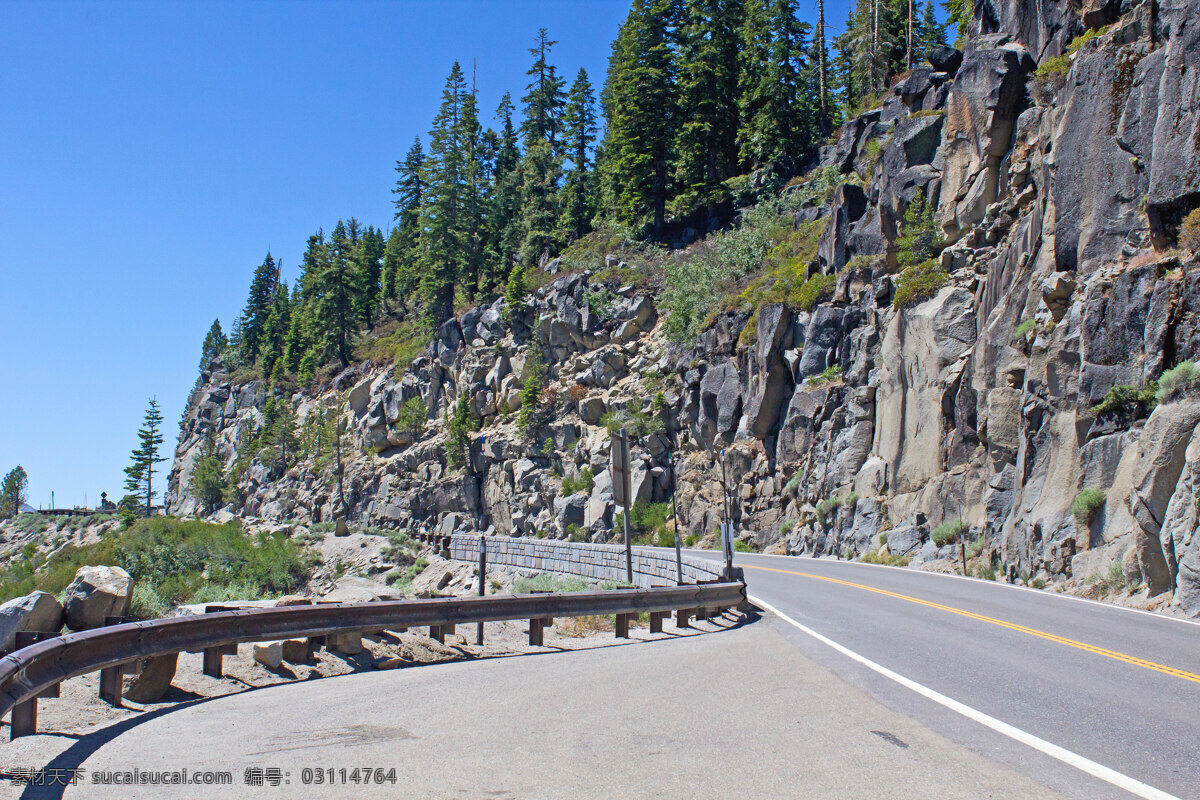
[1090, 648]
[994, 584]
[1068, 757]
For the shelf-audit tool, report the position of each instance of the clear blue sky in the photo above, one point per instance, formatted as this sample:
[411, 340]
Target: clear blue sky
[152, 152]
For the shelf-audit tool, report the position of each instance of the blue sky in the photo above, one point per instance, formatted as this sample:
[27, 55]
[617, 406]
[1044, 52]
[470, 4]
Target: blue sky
[151, 153]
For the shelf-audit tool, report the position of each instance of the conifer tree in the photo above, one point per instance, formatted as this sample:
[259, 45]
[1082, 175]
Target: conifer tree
[709, 67]
[579, 132]
[505, 222]
[539, 201]
[208, 477]
[139, 475]
[214, 345]
[475, 196]
[400, 273]
[639, 101]
[258, 307]
[777, 105]
[335, 301]
[13, 492]
[932, 33]
[368, 264]
[544, 99]
[274, 339]
[441, 251]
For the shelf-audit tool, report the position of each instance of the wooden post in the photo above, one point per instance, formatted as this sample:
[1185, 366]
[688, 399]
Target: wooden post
[24, 715]
[437, 633]
[622, 626]
[681, 618]
[110, 685]
[535, 632]
[656, 621]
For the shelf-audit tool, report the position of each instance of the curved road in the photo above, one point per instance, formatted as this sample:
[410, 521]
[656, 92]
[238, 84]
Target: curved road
[1115, 686]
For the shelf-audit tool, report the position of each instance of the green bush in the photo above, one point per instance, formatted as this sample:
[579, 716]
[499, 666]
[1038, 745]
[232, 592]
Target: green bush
[1177, 382]
[1087, 36]
[829, 375]
[919, 282]
[647, 522]
[1022, 330]
[584, 483]
[1038, 583]
[576, 533]
[146, 603]
[1086, 504]
[949, 532]
[1189, 231]
[1127, 396]
[743, 546]
[829, 504]
[886, 559]
[637, 423]
[919, 241]
[547, 582]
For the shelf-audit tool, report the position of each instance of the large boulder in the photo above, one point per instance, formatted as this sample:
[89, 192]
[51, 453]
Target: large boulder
[1180, 534]
[154, 679]
[96, 593]
[36, 611]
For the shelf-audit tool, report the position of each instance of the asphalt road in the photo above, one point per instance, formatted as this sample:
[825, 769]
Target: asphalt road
[1116, 686]
[735, 713]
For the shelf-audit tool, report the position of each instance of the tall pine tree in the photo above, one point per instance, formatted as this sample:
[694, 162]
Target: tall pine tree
[579, 132]
[400, 271]
[258, 307]
[139, 475]
[544, 99]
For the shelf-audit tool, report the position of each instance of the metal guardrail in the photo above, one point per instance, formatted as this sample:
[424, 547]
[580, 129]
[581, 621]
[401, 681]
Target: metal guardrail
[36, 670]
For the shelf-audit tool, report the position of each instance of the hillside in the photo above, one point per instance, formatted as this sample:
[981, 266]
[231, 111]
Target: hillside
[975, 306]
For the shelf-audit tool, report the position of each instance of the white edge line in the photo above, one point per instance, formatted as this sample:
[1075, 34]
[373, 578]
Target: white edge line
[998, 584]
[1100, 771]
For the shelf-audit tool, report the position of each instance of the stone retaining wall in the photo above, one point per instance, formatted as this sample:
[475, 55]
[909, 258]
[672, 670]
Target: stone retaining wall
[651, 567]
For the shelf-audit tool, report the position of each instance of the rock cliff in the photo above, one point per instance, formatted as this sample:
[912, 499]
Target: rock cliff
[1058, 193]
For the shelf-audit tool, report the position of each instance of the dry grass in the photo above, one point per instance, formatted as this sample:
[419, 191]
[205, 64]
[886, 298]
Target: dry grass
[579, 627]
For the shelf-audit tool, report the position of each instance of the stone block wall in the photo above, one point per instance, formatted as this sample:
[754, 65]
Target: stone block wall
[651, 566]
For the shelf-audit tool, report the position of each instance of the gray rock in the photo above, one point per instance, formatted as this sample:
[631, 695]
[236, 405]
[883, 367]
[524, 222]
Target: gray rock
[96, 593]
[36, 611]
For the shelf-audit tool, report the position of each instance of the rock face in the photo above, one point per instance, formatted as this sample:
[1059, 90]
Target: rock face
[96, 593]
[1058, 203]
[36, 611]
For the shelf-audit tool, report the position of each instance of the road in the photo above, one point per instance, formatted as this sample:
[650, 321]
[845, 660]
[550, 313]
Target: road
[1118, 687]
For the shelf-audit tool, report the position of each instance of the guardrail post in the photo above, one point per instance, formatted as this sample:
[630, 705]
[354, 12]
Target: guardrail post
[682, 615]
[535, 632]
[24, 715]
[623, 626]
[111, 686]
[656, 621]
[214, 657]
[437, 633]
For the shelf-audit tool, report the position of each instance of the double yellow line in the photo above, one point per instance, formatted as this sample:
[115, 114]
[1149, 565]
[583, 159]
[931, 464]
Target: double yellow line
[1100, 651]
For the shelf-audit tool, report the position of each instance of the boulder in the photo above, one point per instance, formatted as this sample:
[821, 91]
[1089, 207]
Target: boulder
[571, 510]
[295, 651]
[945, 59]
[96, 593]
[269, 654]
[591, 409]
[154, 680]
[36, 611]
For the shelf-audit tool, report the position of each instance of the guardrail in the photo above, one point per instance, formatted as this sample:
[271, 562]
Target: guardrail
[37, 670]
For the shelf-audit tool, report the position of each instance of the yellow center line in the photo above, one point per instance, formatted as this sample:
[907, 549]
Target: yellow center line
[1100, 651]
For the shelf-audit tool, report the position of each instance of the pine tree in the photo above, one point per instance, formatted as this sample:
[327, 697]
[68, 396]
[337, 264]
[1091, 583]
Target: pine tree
[475, 195]
[258, 306]
[777, 104]
[335, 302]
[275, 333]
[214, 345]
[579, 132]
[441, 251]
[208, 477]
[932, 34]
[960, 14]
[639, 103]
[139, 475]
[544, 100]
[821, 51]
[400, 272]
[506, 207]
[708, 100]
[368, 266]
[539, 201]
[13, 492]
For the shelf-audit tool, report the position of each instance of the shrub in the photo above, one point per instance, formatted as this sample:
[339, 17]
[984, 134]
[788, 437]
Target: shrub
[949, 532]
[1189, 231]
[886, 559]
[515, 291]
[830, 503]
[1022, 330]
[146, 603]
[1038, 583]
[985, 572]
[743, 546]
[976, 547]
[830, 374]
[1127, 396]
[576, 533]
[412, 417]
[1087, 36]
[547, 582]
[637, 423]
[646, 522]
[920, 240]
[1176, 382]
[919, 282]
[577, 392]
[584, 483]
[1086, 504]
[1052, 72]
[813, 289]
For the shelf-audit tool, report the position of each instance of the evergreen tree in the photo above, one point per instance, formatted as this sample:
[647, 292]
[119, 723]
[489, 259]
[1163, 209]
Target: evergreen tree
[368, 265]
[139, 475]
[275, 333]
[709, 66]
[960, 14]
[919, 239]
[932, 34]
[544, 99]
[777, 105]
[335, 303]
[400, 272]
[505, 223]
[441, 251]
[579, 132]
[13, 492]
[475, 195]
[539, 202]
[258, 306]
[214, 345]
[821, 51]
[208, 477]
[639, 103]
[279, 438]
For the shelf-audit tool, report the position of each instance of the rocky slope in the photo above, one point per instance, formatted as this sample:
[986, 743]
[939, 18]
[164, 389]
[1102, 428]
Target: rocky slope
[1059, 204]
